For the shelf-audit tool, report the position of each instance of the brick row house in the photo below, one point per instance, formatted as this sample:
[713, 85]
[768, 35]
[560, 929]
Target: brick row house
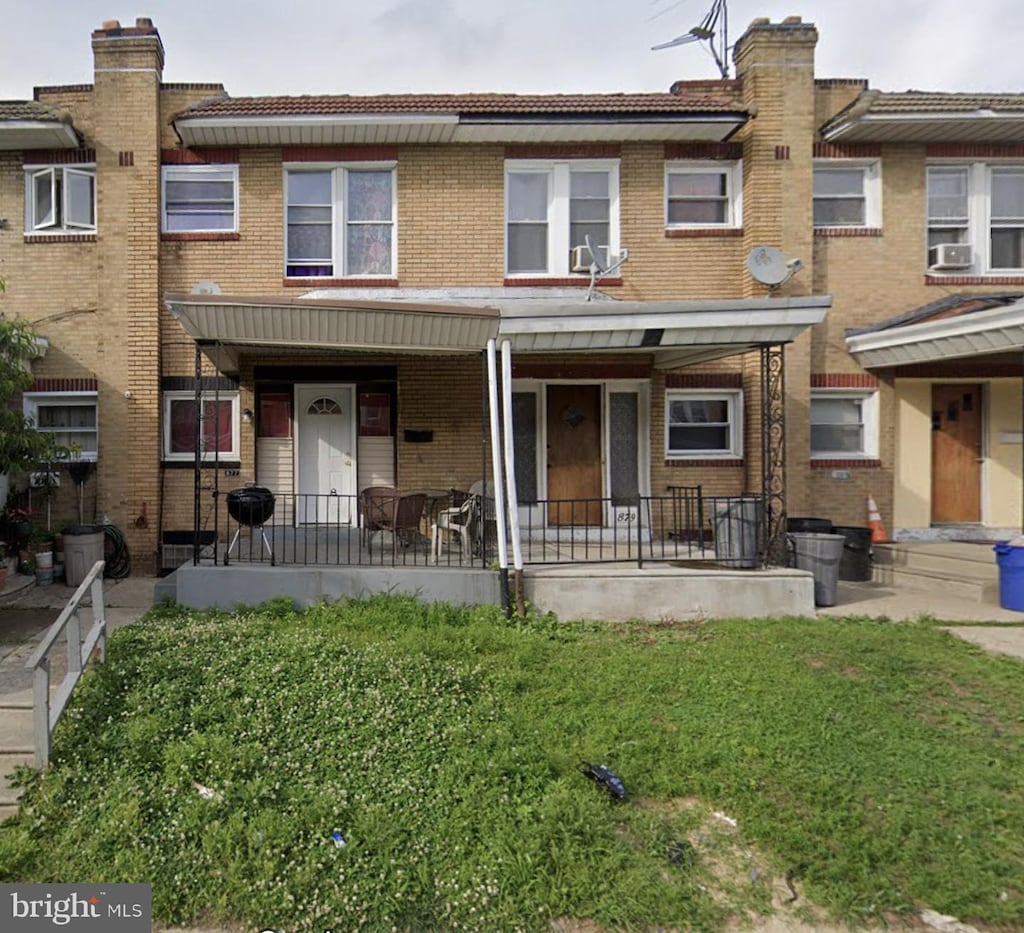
[323, 275]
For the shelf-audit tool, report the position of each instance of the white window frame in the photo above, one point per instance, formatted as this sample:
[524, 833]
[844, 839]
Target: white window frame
[869, 422]
[48, 224]
[194, 173]
[207, 455]
[733, 174]
[32, 402]
[977, 232]
[871, 175]
[734, 400]
[558, 221]
[339, 220]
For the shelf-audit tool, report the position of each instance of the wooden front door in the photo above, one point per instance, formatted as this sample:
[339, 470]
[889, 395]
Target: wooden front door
[574, 454]
[956, 453]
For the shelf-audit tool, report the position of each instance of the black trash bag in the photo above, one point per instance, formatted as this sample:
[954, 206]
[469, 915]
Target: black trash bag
[607, 778]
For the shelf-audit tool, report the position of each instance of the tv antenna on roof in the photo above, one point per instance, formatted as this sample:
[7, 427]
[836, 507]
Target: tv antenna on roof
[705, 31]
[770, 267]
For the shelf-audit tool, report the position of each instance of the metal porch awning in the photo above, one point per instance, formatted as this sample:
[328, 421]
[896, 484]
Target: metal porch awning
[979, 333]
[453, 321]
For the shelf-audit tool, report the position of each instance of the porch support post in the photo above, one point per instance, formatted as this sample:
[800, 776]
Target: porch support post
[510, 473]
[773, 452]
[197, 440]
[499, 492]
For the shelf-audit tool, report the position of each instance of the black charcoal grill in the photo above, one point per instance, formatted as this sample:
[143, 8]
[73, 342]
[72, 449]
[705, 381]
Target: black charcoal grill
[251, 506]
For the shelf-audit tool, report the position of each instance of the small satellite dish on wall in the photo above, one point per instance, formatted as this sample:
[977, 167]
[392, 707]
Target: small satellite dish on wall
[768, 265]
[206, 287]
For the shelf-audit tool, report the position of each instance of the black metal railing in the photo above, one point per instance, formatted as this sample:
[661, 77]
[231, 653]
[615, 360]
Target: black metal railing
[332, 530]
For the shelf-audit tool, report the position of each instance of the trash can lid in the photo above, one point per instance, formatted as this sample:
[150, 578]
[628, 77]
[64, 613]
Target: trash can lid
[82, 529]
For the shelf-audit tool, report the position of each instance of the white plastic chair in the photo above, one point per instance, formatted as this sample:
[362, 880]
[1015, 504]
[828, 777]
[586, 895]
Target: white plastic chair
[458, 520]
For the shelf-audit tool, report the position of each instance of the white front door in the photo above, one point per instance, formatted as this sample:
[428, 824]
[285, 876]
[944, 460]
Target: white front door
[326, 461]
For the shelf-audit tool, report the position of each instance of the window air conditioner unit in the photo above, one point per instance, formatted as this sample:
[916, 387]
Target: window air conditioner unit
[950, 256]
[580, 260]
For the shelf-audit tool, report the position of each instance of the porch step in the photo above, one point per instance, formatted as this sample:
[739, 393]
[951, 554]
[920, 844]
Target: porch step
[965, 570]
[16, 733]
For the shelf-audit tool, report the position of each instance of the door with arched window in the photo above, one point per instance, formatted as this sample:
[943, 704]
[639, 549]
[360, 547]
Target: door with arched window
[326, 454]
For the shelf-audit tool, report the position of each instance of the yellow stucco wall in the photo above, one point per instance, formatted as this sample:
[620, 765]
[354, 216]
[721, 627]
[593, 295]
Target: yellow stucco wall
[1001, 473]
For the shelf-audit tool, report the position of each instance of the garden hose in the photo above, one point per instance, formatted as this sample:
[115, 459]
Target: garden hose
[119, 564]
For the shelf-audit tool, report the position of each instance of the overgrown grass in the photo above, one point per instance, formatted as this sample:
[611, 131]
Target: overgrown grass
[215, 754]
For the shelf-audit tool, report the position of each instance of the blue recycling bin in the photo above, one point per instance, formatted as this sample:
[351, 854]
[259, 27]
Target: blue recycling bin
[1011, 575]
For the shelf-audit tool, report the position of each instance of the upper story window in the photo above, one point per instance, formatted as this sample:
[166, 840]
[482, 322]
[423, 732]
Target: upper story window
[847, 193]
[844, 424]
[976, 217]
[703, 423]
[60, 199]
[199, 198]
[69, 418]
[551, 207]
[703, 194]
[219, 435]
[340, 221]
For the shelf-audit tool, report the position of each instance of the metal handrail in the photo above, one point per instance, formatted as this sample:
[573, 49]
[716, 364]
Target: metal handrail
[44, 714]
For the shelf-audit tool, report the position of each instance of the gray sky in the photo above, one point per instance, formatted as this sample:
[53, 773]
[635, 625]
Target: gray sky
[530, 46]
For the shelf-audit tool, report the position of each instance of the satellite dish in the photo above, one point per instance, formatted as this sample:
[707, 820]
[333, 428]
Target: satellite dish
[768, 265]
[596, 256]
[206, 287]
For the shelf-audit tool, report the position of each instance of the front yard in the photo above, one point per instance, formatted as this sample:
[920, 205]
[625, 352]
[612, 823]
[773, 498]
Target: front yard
[390, 765]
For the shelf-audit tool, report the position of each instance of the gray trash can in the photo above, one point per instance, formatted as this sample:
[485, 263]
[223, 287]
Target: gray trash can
[737, 525]
[83, 546]
[820, 554]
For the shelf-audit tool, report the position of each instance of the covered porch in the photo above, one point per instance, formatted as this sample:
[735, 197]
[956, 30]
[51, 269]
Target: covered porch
[510, 374]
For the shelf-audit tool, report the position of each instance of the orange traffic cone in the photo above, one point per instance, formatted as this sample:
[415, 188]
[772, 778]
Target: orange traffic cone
[878, 532]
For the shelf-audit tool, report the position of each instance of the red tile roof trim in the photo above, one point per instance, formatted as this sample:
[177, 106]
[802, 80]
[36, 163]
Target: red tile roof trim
[714, 99]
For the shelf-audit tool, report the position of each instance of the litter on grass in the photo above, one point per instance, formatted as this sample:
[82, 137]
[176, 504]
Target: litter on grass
[728, 820]
[607, 778]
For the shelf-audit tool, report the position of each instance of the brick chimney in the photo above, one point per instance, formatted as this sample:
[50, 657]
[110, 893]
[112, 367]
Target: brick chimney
[137, 47]
[775, 67]
[128, 63]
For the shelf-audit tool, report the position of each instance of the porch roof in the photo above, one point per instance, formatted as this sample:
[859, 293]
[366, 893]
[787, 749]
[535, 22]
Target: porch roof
[445, 321]
[28, 124]
[928, 116]
[954, 327]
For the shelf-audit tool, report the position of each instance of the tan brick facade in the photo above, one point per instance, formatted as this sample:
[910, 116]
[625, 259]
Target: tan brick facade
[99, 298]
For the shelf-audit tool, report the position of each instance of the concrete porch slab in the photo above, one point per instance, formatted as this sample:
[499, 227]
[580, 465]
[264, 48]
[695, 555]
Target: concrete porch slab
[601, 592]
